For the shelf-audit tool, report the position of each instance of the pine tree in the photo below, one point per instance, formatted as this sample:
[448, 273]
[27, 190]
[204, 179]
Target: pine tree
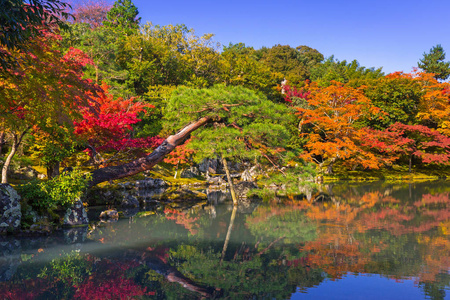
[433, 62]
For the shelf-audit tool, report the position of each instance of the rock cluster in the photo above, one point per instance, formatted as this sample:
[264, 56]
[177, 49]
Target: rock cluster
[10, 213]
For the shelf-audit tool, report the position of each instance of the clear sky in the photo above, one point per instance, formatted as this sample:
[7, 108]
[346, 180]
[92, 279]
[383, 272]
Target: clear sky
[392, 34]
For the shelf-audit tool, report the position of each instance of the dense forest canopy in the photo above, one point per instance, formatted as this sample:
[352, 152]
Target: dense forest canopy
[99, 83]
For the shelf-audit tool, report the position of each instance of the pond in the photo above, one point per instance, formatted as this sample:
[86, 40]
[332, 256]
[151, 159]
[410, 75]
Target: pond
[372, 241]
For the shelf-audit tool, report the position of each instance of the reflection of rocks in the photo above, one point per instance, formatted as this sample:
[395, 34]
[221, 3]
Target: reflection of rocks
[130, 212]
[10, 259]
[246, 207]
[10, 214]
[217, 196]
[76, 215]
[75, 235]
[129, 201]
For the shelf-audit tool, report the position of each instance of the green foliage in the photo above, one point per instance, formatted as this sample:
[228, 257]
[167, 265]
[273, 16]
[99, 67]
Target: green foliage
[433, 62]
[102, 45]
[397, 96]
[342, 71]
[241, 65]
[123, 16]
[244, 123]
[63, 190]
[294, 63]
[293, 181]
[292, 225]
[73, 268]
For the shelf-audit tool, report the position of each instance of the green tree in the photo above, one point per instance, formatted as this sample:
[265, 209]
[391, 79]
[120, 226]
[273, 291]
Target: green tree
[102, 45]
[398, 95]
[294, 63]
[123, 16]
[342, 71]
[239, 65]
[433, 62]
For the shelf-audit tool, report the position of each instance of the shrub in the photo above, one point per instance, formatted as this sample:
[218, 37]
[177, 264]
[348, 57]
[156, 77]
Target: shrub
[63, 190]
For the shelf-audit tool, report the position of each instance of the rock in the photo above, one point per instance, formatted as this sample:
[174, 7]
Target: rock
[249, 174]
[218, 180]
[151, 183]
[242, 188]
[41, 228]
[190, 172]
[109, 214]
[24, 173]
[10, 210]
[76, 215]
[210, 165]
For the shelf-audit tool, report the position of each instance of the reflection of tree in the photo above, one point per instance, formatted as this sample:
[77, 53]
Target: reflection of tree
[374, 232]
[281, 222]
[270, 253]
[245, 275]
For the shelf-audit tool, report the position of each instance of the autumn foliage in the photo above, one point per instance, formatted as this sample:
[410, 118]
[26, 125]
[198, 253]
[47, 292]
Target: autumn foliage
[329, 124]
[110, 128]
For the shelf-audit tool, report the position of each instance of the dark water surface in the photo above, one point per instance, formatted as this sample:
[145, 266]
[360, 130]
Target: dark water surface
[378, 241]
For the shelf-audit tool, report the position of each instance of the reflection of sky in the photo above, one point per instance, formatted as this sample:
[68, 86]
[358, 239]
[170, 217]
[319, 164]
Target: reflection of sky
[365, 287]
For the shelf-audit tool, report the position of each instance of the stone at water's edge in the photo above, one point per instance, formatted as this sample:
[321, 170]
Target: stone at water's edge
[76, 215]
[10, 213]
[242, 188]
[109, 214]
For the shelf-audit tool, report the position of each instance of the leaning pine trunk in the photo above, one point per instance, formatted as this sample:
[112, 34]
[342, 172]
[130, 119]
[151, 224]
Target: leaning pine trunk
[148, 162]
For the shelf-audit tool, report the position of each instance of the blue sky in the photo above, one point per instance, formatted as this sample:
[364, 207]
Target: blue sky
[391, 34]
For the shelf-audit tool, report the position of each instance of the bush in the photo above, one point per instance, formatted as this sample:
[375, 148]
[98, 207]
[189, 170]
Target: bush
[63, 190]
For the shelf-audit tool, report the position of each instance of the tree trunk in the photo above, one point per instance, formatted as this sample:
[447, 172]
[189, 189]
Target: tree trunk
[16, 140]
[2, 141]
[148, 162]
[53, 170]
[8, 161]
[230, 181]
[410, 162]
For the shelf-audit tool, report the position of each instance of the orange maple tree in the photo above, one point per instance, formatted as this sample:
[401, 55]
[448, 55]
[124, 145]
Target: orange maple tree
[328, 123]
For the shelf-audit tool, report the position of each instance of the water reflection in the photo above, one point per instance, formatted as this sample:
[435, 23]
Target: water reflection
[397, 232]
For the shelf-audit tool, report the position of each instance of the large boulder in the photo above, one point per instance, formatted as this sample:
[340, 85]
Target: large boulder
[242, 188]
[76, 215]
[210, 166]
[10, 213]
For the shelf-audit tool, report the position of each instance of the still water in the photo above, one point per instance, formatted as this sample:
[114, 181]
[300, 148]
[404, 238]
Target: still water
[378, 241]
